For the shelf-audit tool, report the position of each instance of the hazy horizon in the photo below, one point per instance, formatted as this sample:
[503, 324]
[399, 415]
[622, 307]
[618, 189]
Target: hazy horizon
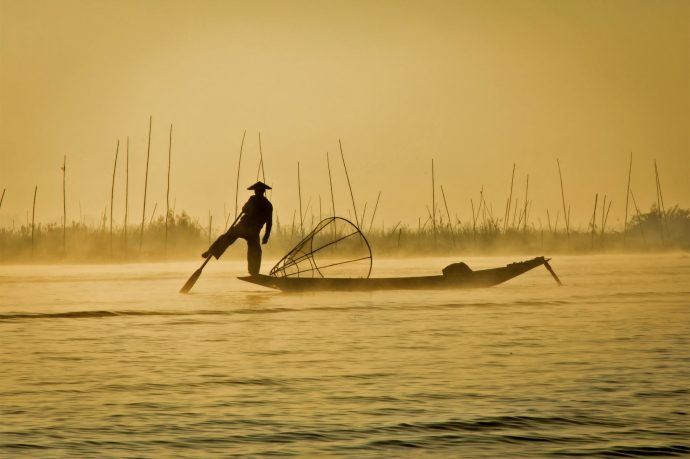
[477, 86]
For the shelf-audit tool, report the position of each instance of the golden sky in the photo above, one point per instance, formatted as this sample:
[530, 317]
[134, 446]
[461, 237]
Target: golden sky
[476, 85]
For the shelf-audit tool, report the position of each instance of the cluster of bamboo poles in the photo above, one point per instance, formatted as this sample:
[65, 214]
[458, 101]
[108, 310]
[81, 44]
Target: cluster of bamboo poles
[516, 215]
[483, 214]
[126, 192]
[359, 218]
[63, 168]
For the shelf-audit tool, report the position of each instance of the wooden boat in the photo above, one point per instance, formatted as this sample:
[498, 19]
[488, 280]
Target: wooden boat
[312, 266]
[455, 276]
[304, 269]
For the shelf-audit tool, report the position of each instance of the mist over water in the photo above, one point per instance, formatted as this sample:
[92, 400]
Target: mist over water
[109, 360]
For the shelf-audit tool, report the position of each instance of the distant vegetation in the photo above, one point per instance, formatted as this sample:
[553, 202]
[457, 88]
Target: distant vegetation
[175, 236]
[187, 238]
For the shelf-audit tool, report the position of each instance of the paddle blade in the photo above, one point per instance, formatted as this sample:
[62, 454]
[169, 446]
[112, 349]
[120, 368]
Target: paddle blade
[191, 281]
[548, 267]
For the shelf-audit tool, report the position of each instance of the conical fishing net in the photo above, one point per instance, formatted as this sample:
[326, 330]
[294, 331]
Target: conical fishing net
[334, 248]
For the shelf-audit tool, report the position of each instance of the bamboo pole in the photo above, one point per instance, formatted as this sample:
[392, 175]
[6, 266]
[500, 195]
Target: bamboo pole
[450, 225]
[2, 198]
[658, 184]
[433, 200]
[33, 219]
[64, 206]
[239, 165]
[603, 215]
[606, 219]
[639, 217]
[306, 210]
[261, 163]
[354, 207]
[482, 206]
[210, 222]
[126, 195]
[146, 181]
[292, 226]
[524, 228]
[422, 227]
[376, 206]
[566, 216]
[153, 214]
[474, 220]
[508, 202]
[627, 196]
[520, 220]
[512, 222]
[364, 213]
[594, 216]
[660, 203]
[656, 188]
[167, 193]
[299, 194]
[330, 181]
[112, 195]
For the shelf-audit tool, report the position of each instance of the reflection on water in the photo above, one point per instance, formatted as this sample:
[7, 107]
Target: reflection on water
[112, 361]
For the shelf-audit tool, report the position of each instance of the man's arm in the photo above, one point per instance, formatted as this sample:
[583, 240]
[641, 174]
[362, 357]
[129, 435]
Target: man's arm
[269, 225]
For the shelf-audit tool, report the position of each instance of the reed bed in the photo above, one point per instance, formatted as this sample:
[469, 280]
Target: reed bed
[175, 236]
[188, 237]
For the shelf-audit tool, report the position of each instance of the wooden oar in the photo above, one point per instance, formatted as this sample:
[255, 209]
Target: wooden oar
[195, 277]
[548, 267]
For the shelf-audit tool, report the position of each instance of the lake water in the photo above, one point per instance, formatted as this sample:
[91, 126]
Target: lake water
[110, 361]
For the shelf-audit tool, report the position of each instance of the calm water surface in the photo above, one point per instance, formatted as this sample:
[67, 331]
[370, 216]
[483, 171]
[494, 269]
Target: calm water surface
[110, 361]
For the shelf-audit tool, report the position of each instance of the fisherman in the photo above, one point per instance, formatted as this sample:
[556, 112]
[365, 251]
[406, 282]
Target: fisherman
[257, 211]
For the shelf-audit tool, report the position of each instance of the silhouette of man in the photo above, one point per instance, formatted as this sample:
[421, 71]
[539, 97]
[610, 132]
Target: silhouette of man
[257, 211]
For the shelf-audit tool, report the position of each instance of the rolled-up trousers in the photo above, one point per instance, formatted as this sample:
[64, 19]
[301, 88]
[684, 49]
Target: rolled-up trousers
[253, 246]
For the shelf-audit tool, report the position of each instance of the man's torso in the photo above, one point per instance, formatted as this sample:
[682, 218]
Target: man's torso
[257, 211]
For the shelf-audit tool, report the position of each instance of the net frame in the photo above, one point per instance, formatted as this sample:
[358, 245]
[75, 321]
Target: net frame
[303, 252]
